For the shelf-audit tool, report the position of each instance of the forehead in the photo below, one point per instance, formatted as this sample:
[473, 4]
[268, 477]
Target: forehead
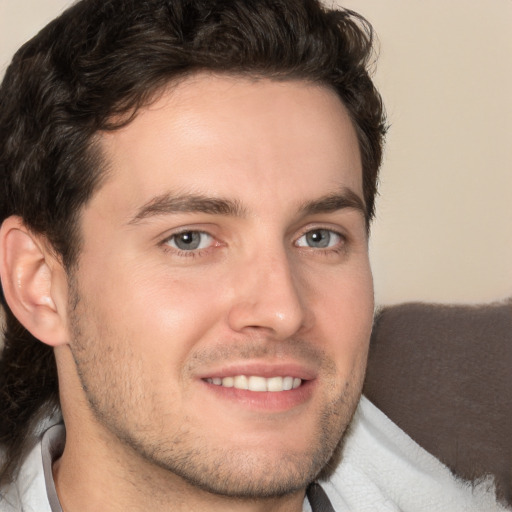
[234, 137]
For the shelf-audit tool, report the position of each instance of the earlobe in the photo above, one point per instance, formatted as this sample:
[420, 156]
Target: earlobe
[33, 283]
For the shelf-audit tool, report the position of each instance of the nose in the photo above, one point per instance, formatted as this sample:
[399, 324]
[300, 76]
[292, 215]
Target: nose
[269, 297]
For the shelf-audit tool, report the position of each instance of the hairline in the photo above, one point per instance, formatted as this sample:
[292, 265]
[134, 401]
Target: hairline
[96, 150]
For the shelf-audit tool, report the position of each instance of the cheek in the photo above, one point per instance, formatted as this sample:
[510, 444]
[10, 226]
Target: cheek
[161, 314]
[345, 315]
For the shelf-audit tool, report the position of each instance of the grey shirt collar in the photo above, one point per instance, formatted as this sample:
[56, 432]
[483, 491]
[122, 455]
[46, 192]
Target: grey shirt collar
[52, 446]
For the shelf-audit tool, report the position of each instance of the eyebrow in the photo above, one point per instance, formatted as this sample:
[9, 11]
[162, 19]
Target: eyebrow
[345, 199]
[188, 203]
[169, 203]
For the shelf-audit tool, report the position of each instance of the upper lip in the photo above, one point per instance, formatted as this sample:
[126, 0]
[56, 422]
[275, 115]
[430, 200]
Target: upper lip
[261, 369]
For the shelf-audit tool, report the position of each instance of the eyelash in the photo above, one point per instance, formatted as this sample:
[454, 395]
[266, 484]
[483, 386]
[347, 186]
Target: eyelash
[195, 253]
[327, 251]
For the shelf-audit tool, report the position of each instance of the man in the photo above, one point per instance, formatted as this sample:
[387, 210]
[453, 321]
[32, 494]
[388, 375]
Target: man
[187, 190]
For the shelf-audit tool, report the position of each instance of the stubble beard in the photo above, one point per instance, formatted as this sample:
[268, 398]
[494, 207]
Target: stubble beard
[227, 471]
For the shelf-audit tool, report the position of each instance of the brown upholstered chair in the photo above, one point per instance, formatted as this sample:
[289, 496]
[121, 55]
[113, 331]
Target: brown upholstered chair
[444, 375]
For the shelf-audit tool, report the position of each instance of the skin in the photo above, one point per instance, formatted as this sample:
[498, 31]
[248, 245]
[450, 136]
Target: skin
[146, 322]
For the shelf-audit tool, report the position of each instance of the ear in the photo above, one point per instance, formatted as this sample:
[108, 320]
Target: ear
[34, 283]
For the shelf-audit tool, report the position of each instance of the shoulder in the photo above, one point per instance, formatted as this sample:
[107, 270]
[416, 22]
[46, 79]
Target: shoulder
[28, 493]
[383, 469]
[28, 490]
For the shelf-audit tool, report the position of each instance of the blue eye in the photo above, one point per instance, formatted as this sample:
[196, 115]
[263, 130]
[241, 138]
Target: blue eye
[190, 240]
[319, 239]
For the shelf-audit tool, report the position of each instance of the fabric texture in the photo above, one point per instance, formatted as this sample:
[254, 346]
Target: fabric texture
[442, 374]
[382, 470]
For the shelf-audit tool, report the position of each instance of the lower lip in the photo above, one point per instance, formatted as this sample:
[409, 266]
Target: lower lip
[271, 401]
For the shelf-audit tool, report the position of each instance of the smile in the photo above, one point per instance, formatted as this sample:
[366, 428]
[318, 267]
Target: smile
[257, 383]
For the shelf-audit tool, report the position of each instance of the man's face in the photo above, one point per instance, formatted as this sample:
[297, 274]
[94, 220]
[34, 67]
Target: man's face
[224, 262]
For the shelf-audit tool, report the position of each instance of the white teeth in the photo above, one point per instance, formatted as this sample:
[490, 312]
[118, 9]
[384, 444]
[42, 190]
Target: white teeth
[287, 383]
[257, 383]
[228, 382]
[275, 384]
[240, 382]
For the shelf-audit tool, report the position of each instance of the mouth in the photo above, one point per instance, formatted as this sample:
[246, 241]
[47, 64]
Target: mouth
[262, 386]
[257, 383]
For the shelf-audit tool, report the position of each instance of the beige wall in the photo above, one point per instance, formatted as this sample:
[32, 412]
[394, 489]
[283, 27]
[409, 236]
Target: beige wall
[444, 226]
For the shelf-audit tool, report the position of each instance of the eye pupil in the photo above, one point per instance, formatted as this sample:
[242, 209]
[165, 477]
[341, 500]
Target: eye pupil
[318, 238]
[188, 240]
